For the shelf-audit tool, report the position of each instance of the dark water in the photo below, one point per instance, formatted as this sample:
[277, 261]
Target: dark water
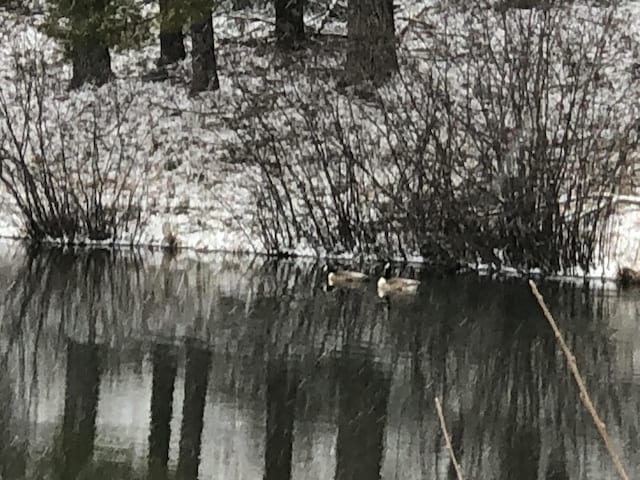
[133, 366]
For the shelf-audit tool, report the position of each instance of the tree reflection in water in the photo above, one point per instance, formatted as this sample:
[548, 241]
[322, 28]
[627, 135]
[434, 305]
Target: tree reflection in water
[265, 350]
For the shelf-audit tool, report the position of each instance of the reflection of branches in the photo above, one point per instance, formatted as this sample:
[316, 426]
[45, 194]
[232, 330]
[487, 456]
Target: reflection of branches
[24, 290]
[24, 336]
[33, 391]
[584, 394]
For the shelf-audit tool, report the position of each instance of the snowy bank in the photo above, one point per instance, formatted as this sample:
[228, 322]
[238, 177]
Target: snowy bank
[180, 169]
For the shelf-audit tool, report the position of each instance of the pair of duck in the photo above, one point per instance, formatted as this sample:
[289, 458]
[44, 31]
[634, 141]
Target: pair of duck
[386, 284]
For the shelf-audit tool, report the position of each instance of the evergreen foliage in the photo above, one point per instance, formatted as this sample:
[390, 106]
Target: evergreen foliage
[119, 24]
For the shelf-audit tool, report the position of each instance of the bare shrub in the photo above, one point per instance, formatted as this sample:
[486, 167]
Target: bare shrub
[502, 137]
[316, 197]
[67, 165]
[347, 175]
[547, 127]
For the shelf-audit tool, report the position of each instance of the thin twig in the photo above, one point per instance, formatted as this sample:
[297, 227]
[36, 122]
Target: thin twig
[447, 440]
[584, 395]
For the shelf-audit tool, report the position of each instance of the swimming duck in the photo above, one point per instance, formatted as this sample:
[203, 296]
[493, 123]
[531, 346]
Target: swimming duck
[336, 277]
[388, 285]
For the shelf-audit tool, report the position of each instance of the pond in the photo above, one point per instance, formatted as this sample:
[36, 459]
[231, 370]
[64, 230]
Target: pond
[136, 365]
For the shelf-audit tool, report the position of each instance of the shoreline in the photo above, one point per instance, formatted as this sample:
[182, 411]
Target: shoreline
[192, 253]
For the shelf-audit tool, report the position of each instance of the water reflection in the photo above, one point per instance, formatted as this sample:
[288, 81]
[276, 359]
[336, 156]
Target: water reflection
[362, 416]
[164, 362]
[196, 378]
[130, 366]
[281, 391]
[82, 385]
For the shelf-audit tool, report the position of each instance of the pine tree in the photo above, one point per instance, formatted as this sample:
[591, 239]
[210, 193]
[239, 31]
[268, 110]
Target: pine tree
[88, 29]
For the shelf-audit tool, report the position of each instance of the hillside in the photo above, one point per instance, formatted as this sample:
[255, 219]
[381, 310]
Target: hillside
[197, 169]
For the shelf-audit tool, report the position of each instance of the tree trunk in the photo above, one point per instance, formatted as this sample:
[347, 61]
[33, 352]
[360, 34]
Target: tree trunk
[371, 50]
[89, 50]
[171, 36]
[203, 54]
[91, 63]
[289, 23]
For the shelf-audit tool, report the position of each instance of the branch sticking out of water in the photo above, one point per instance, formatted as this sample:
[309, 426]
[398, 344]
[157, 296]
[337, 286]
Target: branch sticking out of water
[584, 395]
[447, 440]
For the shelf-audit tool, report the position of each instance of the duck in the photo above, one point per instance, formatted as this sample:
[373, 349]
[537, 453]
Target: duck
[336, 277]
[388, 285]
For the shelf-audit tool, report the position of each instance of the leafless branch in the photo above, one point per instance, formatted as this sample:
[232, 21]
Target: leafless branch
[445, 433]
[584, 394]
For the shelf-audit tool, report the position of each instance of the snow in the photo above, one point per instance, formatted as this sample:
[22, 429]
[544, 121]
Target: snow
[176, 153]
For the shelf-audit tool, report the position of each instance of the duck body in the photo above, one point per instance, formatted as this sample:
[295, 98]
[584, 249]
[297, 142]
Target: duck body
[336, 277]
[388, 285]
[345, 276]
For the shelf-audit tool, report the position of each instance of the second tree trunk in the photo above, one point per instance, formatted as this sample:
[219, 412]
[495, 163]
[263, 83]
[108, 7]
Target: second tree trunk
[203, 55]
[371, 50]
[289, 23]
[171, 36]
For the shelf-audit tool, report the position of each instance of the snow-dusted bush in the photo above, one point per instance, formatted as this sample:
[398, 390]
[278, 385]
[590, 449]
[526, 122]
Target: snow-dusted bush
[67, 165]
[548, 124]
[505, 135]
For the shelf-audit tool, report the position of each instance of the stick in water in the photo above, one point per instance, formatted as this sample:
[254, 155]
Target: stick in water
[447, 440]
[584, 395]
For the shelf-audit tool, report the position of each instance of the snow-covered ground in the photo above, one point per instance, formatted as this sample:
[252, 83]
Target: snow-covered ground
[176, 154]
